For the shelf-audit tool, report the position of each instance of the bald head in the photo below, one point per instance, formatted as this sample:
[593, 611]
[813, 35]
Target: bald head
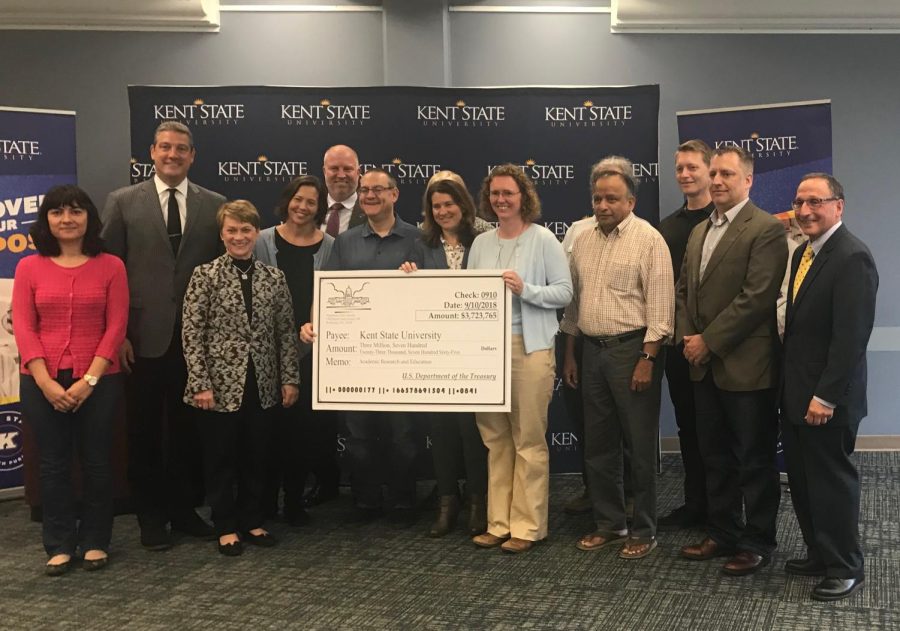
[341, 169]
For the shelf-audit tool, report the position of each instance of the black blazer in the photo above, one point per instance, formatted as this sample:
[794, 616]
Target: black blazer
[435, 257]
[827, 329]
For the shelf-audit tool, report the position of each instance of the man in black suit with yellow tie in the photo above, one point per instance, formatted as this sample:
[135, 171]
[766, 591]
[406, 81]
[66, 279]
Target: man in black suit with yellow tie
[830, 312]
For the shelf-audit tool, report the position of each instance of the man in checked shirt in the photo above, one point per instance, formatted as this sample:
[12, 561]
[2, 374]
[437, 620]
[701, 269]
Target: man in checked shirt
[624, 307]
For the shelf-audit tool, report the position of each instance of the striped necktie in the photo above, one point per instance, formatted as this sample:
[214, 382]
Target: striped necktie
[805, 263]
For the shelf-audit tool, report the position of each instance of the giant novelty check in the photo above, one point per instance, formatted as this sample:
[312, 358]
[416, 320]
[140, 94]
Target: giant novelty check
[433, 341]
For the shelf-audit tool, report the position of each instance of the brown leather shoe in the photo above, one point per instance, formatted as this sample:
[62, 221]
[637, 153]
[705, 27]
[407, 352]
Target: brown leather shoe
[706, 549]
[744, 563]
[487, 540]
[516, 545]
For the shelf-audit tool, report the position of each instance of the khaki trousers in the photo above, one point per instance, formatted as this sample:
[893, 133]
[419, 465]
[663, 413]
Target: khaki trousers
[518, 457]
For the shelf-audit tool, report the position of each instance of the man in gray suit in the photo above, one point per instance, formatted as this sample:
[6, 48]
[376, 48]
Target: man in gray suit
[162, 229]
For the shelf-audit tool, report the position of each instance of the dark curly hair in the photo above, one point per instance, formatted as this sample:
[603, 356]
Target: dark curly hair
[73, 197]
[531, 203]
[431, 231]
[291, 189]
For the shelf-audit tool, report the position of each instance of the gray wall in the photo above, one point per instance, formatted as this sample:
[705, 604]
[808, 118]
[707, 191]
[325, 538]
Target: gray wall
[89, 71]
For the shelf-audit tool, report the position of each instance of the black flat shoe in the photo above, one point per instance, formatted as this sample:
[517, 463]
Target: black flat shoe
[92, 565]
[234, 549]
[832, 588]
[57, 569]
[155, 538]
[265, 540]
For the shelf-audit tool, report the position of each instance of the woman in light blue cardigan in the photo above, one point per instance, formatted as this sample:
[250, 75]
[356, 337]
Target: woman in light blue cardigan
[537, 273]
[304, 440]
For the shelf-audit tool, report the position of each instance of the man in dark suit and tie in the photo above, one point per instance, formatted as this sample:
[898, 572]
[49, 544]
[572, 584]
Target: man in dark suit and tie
[725, 317]
[830, 312]
[341, 170]
[162, 229]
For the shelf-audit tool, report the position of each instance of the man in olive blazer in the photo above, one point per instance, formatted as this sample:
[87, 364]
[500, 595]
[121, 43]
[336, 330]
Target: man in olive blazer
[830, 313]
[162, 229]
[725, 318]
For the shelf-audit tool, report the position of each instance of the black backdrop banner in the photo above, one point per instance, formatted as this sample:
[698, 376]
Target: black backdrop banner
[252, 141]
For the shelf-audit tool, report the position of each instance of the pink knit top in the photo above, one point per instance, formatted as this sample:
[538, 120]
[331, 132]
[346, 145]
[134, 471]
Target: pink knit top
[68, 315]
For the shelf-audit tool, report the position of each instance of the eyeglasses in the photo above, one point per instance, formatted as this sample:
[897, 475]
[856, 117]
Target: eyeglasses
[499, 194]
[814, 203]
[378, 190]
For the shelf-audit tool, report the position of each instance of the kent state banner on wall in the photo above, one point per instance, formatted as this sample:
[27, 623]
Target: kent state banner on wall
[252, 141]
[37, 151]
[787, 140]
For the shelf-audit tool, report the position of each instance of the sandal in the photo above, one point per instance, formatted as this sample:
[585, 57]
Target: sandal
[636, 549]
[596, 540]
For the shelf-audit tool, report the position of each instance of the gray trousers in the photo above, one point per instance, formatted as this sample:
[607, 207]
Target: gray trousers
[617, 418]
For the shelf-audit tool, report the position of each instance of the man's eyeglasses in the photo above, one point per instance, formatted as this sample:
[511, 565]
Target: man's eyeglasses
[814, 203]
[378, 190]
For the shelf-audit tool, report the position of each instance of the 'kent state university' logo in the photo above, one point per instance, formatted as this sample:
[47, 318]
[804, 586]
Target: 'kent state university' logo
[348, 297]
[11, 454]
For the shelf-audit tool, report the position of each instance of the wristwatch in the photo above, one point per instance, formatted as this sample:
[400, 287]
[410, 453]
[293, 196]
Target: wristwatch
[647, 356]
[92, 381]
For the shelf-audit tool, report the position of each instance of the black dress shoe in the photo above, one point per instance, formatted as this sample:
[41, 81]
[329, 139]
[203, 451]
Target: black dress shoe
[190, 523]
[804, 567]
[744, 563]
[264, 540]
[319, 494]
[681, 518]
[155, 538]
[832, 588]
[234, 549]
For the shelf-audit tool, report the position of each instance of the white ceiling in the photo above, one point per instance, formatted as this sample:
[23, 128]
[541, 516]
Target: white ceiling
[627, 16]
[760, 16]
[111, 15]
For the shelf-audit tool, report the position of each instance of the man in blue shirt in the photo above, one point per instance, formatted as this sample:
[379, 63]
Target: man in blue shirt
[382, 444]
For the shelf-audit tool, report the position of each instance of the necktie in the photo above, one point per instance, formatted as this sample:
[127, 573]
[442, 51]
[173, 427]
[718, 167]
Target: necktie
[333, 226]
[805, 263]
[173, 221]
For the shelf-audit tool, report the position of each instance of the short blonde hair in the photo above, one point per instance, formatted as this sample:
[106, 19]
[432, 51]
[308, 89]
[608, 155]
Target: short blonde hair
[240, 210]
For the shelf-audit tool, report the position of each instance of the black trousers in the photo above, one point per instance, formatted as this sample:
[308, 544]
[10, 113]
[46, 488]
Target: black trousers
[681, 391]
[60, 436]
[738, 432]
[382, 449]
[303, 441]
[455, 438]
[619, 420]
[164, 455]
[235, 452]
[825, 493]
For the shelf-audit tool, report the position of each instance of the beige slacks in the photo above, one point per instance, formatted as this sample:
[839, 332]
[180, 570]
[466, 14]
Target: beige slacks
[518, 457]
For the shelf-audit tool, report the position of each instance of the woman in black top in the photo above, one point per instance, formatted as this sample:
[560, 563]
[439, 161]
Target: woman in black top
[304, 440]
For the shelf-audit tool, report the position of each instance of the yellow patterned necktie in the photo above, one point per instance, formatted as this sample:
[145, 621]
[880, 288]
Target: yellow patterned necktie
[805, 263]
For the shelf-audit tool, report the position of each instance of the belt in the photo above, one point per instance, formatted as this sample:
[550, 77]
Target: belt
[612, 340]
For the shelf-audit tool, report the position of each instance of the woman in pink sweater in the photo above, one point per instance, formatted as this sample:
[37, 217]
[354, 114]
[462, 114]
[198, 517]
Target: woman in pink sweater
[70, 312]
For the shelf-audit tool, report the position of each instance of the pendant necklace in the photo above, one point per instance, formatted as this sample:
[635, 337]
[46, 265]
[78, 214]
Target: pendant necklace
[242, 272]
[512, 254]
